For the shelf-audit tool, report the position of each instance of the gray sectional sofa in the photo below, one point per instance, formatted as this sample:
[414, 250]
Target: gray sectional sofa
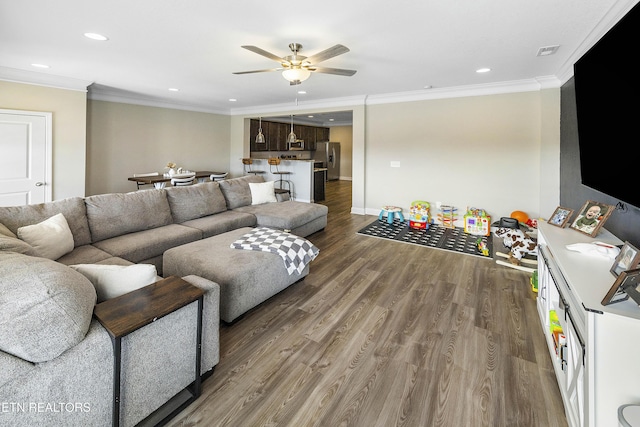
[56, 360]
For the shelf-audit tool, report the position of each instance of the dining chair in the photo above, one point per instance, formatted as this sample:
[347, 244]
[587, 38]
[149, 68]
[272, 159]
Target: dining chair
[218, 177]
[140, 184]
[183, 180]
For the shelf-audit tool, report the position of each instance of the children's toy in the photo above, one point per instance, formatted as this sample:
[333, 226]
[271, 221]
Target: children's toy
[482, 246]
[520, 216]
[419, 215]
[392, 212]
[534, 281]
[448, 216]
[519, 245]
[477, 222]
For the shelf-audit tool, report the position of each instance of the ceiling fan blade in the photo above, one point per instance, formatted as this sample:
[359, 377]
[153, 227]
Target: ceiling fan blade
[259, 71]
[338, 71]
[264, 53]
[328, 53]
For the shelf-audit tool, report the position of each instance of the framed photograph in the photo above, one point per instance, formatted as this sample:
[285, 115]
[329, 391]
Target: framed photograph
[631, 284]
[627, 259]
[617, 292]
[560, 216]
[592, 217]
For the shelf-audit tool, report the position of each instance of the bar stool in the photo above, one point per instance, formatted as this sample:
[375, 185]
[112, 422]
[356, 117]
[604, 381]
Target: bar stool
[274, 163]
[246, 166]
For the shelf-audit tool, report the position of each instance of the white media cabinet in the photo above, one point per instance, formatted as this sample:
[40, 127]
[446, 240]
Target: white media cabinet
[599, 369]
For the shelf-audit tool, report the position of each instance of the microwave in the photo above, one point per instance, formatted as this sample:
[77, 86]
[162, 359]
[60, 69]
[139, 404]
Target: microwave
[296, 146]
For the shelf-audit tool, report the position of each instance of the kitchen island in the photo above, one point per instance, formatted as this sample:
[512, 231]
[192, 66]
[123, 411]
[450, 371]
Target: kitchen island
[301, 177]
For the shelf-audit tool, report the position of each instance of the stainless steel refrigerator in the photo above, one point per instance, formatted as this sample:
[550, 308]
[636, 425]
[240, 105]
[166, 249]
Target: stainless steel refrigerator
[329, 154]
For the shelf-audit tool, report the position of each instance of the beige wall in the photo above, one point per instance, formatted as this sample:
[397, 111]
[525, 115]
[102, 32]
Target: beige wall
[68, 108]
[124, 139]
[481, 151]
[497, 152]
[344, 135]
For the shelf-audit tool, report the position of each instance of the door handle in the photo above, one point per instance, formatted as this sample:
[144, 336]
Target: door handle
[39, 184]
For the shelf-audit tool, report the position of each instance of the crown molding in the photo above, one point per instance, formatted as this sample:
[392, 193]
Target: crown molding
[43, 79]
[102, 93]
[114, 95]
[322, 104]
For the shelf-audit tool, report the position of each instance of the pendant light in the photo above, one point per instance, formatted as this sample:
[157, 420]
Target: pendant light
[291, 139]
[260, 136]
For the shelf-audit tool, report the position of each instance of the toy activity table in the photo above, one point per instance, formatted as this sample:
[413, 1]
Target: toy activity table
[392, 212]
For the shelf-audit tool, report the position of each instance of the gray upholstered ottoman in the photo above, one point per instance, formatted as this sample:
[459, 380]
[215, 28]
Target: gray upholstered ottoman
[246, 277]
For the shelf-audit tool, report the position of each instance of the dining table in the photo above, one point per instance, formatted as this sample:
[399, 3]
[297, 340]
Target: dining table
[160, 180]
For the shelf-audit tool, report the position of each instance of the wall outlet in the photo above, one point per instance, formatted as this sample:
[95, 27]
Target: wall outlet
[395, 164]
[438, 205]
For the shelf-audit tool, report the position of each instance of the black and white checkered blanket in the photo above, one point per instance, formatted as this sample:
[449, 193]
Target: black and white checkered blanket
[296, 251]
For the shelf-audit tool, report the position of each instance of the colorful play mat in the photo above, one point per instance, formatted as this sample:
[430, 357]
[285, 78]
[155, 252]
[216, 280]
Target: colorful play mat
[436, 236]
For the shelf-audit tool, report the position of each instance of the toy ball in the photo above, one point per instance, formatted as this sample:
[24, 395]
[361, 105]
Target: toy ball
[520, 216]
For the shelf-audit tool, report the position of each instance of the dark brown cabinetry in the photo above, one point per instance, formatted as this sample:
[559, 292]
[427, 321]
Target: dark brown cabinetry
[276, 133]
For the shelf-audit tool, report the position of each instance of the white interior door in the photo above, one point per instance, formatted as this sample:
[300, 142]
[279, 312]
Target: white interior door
[25, 150]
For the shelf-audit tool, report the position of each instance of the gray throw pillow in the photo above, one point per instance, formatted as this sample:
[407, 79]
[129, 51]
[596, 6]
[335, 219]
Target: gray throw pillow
[45, 307]
[237, 192]
[195, 201]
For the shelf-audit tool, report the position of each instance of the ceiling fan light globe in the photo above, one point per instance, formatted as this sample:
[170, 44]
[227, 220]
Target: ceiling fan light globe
[293, 74]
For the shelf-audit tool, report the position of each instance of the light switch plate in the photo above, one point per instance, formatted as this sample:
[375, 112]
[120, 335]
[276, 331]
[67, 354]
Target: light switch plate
[395, 164]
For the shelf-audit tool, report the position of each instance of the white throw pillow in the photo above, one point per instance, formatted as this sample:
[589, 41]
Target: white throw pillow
[262, 192]
[50, 238]
[112, 281]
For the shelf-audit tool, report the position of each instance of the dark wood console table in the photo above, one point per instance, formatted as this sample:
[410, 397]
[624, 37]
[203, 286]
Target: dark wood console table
[129, 312]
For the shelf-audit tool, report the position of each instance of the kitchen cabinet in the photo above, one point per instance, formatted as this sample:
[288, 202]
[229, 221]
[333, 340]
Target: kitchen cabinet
[278, 136]
[322, 135]
[276, 133]
[592, 359]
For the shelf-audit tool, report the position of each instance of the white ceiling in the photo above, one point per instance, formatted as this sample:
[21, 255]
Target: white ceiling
[397, 47]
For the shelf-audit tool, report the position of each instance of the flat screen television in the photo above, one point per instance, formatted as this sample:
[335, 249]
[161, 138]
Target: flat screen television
[607, 85]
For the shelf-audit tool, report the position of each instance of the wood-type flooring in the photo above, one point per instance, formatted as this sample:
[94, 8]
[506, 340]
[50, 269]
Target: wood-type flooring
[382, 333]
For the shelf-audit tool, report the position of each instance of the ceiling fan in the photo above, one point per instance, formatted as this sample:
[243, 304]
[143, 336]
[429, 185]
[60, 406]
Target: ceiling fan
[297, 68]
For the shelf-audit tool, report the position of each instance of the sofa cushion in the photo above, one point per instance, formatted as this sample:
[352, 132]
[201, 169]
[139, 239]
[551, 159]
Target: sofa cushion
[10, 242]
[236, 190]
[13, 244]
[195, 201]
[111, 281]
[73, 209]
[262, 192]
[85, 254]
[221, 222]
[287, 215]
[143, 210]
[45, 307]
[143, 245]
[50, 238]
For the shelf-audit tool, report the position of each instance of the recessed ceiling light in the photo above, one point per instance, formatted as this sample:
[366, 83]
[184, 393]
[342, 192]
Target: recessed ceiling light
[174, 89]
[232, 100]
[310, 116]
[483, 70]
[331, 120]
[302, 92]
[96, 36]
[40, 65]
